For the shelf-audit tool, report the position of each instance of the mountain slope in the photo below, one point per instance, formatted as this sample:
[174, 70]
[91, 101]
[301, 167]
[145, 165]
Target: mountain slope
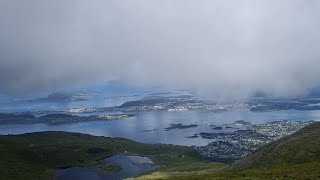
[298, 148]
[36, 155]
[296, 156]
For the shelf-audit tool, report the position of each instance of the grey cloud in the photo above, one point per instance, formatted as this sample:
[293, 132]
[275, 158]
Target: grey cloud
[226, 48]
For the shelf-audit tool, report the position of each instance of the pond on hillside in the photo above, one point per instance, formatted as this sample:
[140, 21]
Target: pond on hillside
[130, 166]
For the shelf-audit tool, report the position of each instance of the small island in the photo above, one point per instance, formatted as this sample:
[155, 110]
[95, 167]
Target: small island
[56, 118]
[180, 126]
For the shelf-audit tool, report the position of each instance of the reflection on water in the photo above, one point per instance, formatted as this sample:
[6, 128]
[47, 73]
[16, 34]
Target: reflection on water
[149, 127]
[130, 166]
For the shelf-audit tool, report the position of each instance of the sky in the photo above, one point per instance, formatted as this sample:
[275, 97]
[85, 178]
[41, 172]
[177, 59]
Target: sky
[222, 48]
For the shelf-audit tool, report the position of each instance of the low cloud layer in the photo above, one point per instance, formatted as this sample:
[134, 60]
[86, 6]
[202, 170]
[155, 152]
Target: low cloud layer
[227, 48]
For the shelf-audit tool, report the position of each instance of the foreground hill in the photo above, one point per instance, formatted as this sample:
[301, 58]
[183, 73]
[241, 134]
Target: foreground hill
[36, 155]
[296, 156]
[298, 148]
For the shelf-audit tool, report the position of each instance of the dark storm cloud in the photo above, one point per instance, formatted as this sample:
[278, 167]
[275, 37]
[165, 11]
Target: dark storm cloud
[226, 48]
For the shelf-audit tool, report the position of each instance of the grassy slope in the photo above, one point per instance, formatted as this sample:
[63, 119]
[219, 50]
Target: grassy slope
[35, 155]
[300, 147]
[293, 157]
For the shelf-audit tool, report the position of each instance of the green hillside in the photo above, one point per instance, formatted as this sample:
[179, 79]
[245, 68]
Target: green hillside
[293, 157]
[36, 155]
[298, 148]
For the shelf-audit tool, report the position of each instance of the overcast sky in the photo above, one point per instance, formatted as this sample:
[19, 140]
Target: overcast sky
[225, 48]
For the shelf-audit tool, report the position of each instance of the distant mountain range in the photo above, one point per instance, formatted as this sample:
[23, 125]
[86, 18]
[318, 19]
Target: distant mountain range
[6, 118]
[62, 97]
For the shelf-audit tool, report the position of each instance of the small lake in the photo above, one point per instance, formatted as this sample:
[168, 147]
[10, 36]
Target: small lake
[153, 127]
[130, 166]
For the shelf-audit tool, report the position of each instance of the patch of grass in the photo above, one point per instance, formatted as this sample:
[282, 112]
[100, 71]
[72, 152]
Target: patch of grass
[183, 170]
[301, 171]
[195, 166]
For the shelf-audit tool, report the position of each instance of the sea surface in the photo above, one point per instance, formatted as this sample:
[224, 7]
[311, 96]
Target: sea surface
[150, 127]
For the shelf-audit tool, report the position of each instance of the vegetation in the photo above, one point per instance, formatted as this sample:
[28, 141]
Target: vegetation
[298, 148]
[293, 157]
[36, 155]
[302, 171]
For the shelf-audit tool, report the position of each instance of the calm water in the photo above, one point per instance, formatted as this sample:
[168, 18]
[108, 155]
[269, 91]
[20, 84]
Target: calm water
[130, 166]
[149, 127]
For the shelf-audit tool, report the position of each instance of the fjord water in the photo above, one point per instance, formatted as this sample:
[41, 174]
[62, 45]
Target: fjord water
[150, 127]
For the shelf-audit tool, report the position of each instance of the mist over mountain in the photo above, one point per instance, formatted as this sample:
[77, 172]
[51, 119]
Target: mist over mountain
[223, 49]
